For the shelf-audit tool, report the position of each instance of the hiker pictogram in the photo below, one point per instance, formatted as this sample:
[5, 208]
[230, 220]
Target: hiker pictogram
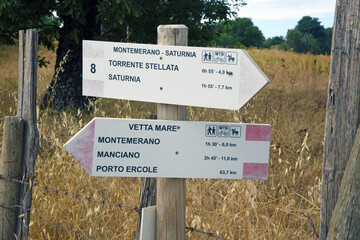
[211, 130]
[207, 56]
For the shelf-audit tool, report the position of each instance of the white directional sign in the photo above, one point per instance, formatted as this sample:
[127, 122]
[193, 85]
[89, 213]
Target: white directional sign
[191, 76]
[173, 149]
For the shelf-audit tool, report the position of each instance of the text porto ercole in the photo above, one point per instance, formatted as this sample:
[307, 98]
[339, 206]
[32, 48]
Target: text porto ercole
[178, 149]
[209, 77]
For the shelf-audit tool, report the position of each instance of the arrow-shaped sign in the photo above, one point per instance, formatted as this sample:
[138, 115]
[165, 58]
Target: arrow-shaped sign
[191, 76]
[173, 149]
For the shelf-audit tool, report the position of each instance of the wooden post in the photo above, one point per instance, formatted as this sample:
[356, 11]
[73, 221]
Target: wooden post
[345, 220]
[343, 106]
[27, 111]
[147, 198]
[147, 194]
[170, 213]
[21, 72]
[10, 166]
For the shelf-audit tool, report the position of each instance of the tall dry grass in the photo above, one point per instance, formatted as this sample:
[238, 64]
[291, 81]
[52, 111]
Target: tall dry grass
[279, 208]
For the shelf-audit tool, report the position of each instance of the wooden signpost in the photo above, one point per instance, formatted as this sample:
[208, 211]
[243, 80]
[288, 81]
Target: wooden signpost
[171, 150]
[171, 192]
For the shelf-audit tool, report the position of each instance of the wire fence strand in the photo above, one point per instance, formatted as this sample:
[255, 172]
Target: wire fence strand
[209, 234]
[89, 199]
[11, 208]
[32, 183]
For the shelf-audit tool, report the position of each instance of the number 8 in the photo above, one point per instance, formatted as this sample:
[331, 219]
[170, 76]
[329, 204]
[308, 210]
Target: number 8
[93, 68]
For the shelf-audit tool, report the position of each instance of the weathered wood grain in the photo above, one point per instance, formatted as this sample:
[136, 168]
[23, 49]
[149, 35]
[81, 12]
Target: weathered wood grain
[10, 166]
[171, 202]
[147, 198]
[345, 221]
[27, 111]
[21, 72]
[343, 106]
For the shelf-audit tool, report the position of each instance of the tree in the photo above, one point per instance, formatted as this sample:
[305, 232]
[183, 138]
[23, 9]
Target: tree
[273, 41]
[309, 25]
[15, 15]
[302, 43]
[79, 22]
[239, 32]
[309, 36]
[328, 40]
[116, 20]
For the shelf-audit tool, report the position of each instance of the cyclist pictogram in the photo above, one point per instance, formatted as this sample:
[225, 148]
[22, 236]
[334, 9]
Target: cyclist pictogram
[224, 131]
[219, 57]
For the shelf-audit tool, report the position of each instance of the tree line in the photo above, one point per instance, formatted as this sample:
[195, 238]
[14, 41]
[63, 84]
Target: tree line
[68, 22]
[308, 36]
[71, 21]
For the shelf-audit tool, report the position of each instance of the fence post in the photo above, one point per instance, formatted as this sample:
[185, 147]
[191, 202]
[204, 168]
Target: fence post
[343, 105]
[27, 111]
[170, 213]
[147, 198]
[21, 72]
[10, 167]
[345, 218]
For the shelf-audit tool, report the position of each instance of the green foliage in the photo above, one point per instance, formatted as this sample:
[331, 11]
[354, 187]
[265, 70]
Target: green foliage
[120, 20]
[115, 20]
[141, 18]
[309, 36]
[309, 25]
[273, 41]
[237, 33]
[328, 40]
[18, 15]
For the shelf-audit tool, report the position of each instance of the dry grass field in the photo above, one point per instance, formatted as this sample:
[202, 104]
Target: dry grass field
[283, 207]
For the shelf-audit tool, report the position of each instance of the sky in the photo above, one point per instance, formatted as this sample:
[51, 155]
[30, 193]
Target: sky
[275, 17]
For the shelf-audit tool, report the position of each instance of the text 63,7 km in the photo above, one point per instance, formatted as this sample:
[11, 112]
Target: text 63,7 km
[226, 172]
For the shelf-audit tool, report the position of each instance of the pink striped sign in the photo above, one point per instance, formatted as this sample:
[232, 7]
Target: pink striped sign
[172, 149]
[208, 77]
[83, 146]
[258, 133]
[258, 171]
[255, 171]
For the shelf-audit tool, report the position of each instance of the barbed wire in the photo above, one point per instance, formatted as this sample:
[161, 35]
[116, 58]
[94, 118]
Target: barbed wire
[311, 223]
[89, 199]
[45, 220]
[31, 183]
[209, 234]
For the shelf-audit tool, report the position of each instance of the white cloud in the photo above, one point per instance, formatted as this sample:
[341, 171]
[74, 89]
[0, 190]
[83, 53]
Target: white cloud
[286, 9]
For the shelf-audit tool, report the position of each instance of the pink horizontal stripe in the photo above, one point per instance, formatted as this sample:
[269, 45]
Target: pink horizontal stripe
[91, 51]
[258, 133]
[93, 88]
[257, 171]
[82, 147]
